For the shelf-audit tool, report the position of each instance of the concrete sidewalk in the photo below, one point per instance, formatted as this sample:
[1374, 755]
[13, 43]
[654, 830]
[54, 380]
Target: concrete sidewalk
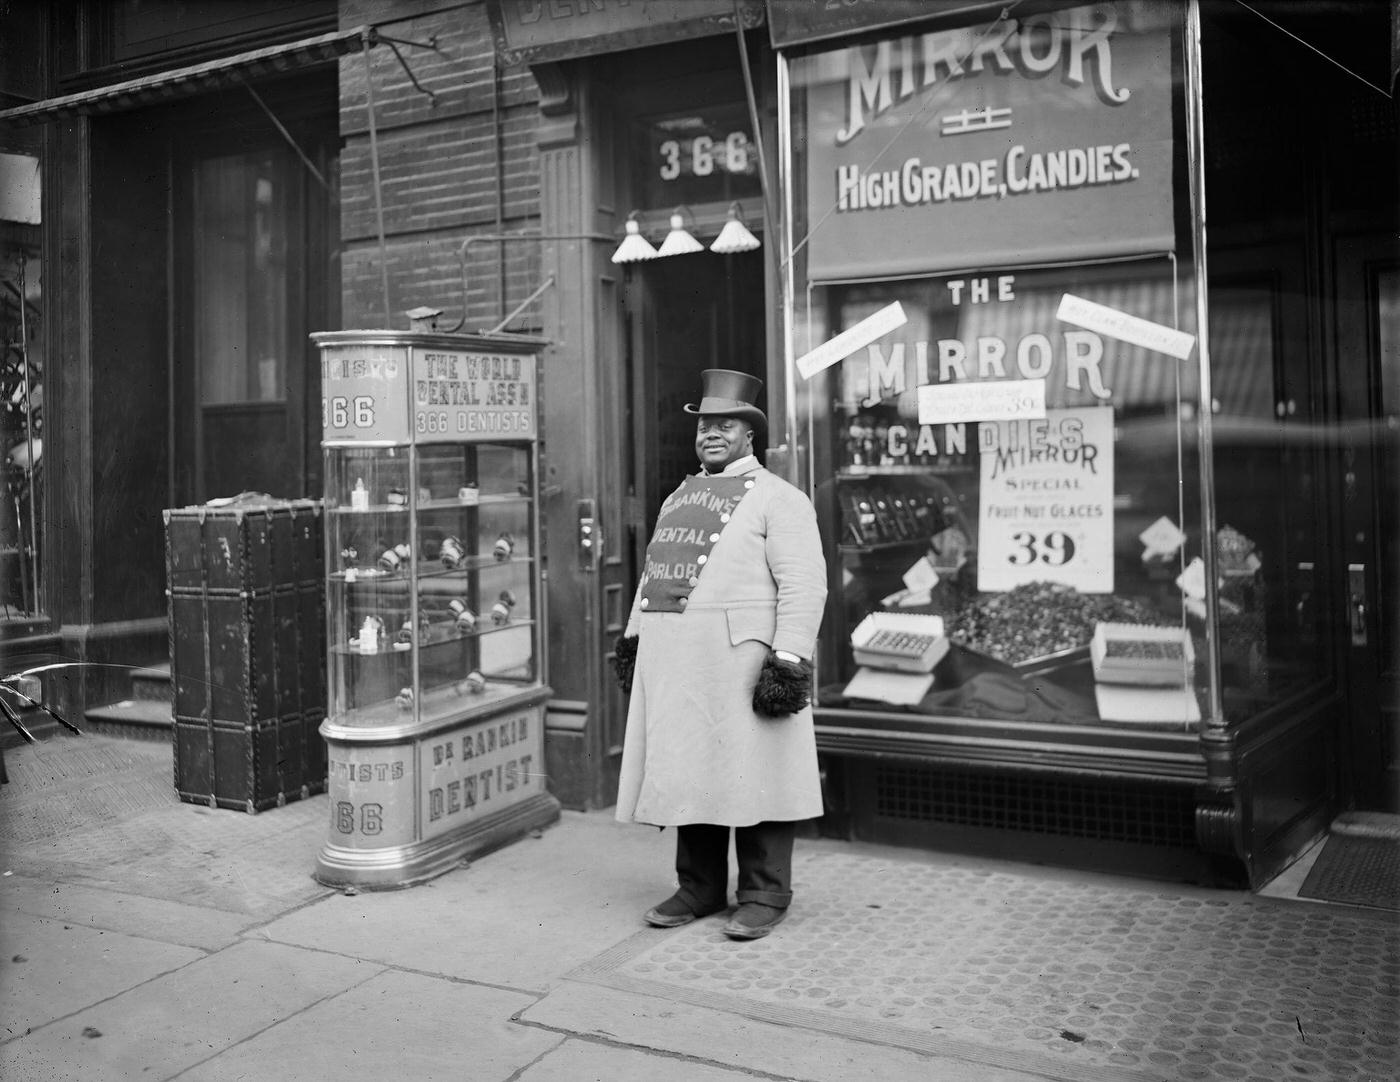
[143, 938]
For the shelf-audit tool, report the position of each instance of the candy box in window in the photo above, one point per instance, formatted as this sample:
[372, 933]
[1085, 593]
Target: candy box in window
[902, 641]
[1142, 654]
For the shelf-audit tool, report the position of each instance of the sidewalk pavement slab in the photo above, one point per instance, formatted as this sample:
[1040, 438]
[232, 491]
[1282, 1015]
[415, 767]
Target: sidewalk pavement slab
[50, 968]
[118, 911]
[210, 952]
[746, 1044]
[395, 1025]
[160, 1026]
[258, 865]
[585, 1061]
[520, 918]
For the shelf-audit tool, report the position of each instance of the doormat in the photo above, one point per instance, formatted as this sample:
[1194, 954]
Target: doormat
[1356, 870]
[1072, 977]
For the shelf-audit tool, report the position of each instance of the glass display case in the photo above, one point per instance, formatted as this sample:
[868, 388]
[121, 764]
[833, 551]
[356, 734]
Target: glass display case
[435, 705]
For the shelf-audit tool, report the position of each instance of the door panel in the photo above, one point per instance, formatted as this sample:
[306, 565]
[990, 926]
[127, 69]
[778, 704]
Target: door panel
[246, 282]
[1368, 361]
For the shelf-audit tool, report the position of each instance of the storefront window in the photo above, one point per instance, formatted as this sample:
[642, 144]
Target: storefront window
[993, 321]
[21, 390]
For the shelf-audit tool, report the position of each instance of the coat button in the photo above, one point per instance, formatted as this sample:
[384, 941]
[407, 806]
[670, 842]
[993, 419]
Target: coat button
[684, 600]
[694, 580]
[645, 601]
[713, 538]
[724, 518]
[701, 558]
[748, 484]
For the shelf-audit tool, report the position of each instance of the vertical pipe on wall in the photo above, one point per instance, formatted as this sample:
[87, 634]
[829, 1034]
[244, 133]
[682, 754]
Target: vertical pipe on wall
[1196, 166]
[500, 148]
[782, 227]
[753, 115]
[378, 193]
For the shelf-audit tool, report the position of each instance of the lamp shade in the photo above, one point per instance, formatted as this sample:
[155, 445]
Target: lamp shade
[678, 241]
[735, 236]
[634, 246]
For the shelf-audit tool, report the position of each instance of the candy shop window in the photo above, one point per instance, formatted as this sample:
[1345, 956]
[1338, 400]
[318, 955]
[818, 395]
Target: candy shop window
[993, 324]
[1005, 566]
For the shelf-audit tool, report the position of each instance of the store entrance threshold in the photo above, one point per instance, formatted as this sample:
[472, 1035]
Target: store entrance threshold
[1357, 863]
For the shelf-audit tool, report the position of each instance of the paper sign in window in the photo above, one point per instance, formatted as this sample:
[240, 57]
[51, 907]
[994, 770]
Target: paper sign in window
[1002, 400]
[1126, 328]
[848, 341]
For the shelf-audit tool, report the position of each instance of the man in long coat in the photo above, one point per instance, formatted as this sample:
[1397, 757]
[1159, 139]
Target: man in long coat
[723, 625]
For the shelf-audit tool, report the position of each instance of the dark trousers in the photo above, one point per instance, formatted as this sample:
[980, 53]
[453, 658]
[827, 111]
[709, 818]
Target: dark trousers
[764, 853]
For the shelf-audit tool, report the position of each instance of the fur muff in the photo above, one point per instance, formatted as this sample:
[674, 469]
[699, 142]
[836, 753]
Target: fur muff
[783, 688]
[624, 661]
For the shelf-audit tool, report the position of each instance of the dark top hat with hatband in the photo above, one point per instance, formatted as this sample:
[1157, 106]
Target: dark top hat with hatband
[726, 393]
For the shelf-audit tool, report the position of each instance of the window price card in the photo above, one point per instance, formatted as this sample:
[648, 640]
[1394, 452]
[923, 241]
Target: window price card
[1046, 501]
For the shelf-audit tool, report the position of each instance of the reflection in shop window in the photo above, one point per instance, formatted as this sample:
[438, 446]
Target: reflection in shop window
[1388, 340]
[1265, 548]
[22, 387]
[242, 228]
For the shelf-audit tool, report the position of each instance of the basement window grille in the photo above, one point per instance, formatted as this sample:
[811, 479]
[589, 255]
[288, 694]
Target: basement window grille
[1143, 814]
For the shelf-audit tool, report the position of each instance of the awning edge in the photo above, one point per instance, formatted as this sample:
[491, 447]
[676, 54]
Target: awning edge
[195, 78]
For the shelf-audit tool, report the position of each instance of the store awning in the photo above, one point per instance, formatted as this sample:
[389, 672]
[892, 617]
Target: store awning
[184, 82]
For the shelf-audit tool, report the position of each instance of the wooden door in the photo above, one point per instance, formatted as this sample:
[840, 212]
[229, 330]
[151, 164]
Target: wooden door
[1368, 360]
[689, 313]
[254, 241]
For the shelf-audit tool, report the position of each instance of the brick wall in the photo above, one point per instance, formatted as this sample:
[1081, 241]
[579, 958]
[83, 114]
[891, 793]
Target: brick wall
[463, 164]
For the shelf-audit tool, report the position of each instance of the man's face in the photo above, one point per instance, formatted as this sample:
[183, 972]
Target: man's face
[722, 440]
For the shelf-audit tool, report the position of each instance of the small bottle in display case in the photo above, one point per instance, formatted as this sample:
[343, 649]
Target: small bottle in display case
[393, 557]
[359, 496]
[369, 637]
[451, 553]
[463, 619]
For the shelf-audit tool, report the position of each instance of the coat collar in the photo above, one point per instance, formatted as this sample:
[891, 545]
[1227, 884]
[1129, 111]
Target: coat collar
[747, 464]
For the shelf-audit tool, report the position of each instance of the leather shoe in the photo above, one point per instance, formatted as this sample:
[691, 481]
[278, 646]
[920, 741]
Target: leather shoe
[674, 912]
[754, 920]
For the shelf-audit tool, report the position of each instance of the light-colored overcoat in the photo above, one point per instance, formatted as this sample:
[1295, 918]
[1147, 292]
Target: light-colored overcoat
[695, 751]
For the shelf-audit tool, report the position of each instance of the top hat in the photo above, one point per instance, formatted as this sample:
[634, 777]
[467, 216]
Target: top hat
[726, 393]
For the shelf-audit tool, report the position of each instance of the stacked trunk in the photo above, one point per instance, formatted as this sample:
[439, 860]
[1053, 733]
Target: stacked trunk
[247, 628]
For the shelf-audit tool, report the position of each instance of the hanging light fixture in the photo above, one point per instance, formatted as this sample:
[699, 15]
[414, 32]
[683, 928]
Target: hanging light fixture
[679, 241]
[735, 236]
[634, 247]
